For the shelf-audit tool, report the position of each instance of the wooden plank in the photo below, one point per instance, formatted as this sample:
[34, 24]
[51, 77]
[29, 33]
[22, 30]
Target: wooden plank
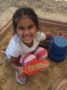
[6, 17]
[51, 16]
[45, 19]
[6, 21]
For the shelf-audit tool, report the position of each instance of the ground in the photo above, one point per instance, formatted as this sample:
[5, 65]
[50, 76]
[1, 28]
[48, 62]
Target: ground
[43, 80]
[57, 6]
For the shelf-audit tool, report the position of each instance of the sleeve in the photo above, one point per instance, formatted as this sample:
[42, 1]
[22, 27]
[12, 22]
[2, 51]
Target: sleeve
[41, 36]
[12, 49]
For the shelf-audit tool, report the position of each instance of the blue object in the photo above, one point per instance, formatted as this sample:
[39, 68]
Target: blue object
[57, 48]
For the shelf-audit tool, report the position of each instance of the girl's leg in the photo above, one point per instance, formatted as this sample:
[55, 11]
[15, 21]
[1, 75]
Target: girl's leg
[22, 79]
[40, 53]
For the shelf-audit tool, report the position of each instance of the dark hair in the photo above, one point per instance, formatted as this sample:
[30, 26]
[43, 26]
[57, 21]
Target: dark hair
[24, 11]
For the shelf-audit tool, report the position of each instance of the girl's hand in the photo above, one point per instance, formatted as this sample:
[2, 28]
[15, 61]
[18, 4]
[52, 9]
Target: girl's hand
[49, 35]
[20, 70]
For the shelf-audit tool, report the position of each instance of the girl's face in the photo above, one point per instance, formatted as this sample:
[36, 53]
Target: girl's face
[26, 30]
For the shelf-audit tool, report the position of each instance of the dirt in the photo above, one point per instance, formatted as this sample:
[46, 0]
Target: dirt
[43, 80]
[55, 6]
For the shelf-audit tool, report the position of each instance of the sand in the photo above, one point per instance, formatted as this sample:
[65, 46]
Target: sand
[43, 80]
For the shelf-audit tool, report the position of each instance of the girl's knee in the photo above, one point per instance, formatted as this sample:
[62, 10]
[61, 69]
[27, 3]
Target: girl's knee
[41, 53]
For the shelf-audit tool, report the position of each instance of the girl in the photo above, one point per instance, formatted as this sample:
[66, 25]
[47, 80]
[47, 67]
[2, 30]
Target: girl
[23, 46]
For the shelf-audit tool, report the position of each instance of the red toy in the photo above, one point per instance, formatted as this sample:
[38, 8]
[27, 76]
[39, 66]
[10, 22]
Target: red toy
[35, 66]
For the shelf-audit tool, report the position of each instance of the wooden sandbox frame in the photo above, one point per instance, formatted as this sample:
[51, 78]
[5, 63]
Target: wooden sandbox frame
[46, 20]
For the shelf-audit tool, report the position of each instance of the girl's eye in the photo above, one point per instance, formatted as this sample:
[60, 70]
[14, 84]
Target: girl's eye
[30, 26]
[20, 27]
[24, 28]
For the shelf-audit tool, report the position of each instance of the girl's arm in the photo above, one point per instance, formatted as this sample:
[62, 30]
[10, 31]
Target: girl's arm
[48, 35]
[15, 65]
[45, 43]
